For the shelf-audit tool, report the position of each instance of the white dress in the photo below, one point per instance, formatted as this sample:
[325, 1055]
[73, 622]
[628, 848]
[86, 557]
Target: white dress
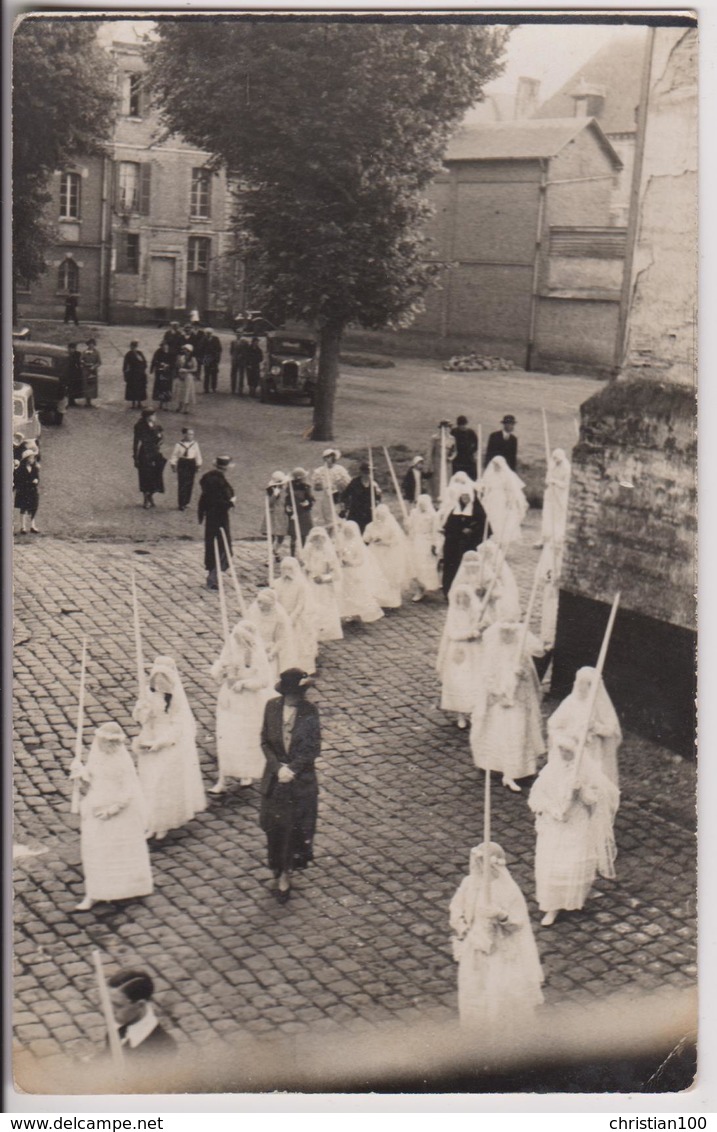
[505, 725]
[115, 857]
[274, 628]
[359, 582]
[170, 777]
[499, 972]
[338, 479]
[501, 493]
[478, 568]
[387, 547]
[296, 597]
[323, 573]
[458, 662]
[555, 498]
[240, 709]
[424, 536]
[549, 570]
[604, 735]
[574, 826]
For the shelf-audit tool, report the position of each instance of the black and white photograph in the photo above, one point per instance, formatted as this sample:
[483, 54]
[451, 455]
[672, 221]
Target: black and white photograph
[353, 538]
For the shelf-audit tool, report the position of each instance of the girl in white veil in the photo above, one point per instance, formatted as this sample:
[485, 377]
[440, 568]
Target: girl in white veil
[388, 548]
[477, 570]
[499, 972]
[555, 497]
[168, 763]
[323, 573]
[506, 733]
[458, 663]
[115, 858]
[273, 625]
[500, 491]
[604, 733]
[245, 684]
[360, 576]
[425, 540]
[575, 814]
[295, 595]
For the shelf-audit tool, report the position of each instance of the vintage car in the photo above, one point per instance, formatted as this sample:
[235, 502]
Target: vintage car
[44, 368]
[25, 420]
[290, 367]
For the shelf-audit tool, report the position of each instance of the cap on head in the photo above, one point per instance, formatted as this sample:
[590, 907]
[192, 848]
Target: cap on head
[136, 985]
[293, 680]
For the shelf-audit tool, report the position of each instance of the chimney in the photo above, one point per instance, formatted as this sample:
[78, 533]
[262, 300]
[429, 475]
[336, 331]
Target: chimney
[526, 97]
[589, 99]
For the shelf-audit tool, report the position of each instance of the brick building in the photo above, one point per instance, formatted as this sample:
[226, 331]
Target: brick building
[522, 222]
[632, 515]
[143, 233]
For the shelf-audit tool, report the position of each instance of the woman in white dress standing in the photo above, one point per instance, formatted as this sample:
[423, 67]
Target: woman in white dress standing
[555, 498]
[501, 492]
[296, 597]
[505, 726]
[575, 814]
[245, 684]
[115, 857]
[425, 539]
[458, 662]
[478, 569]
[604, 733]
[323, 572]
[359, 576]
[166, 749]
[499, 972]
[388, 547]
[273, 625]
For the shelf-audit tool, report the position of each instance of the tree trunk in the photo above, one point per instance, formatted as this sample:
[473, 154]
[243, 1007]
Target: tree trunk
[329, 346]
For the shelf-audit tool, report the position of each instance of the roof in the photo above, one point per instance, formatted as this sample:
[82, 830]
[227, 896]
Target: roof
[525, 139]
[617, 67]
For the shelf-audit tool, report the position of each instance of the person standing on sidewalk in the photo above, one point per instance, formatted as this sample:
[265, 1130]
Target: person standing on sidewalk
[147, 455]
[74, 374]
[215, 503]
[212, 354]
[91, 362]
[465, 440]
[71, 300]
[503, 442]
[186, 460]
[134, 371]
[26, 484]
[291, 742]
[254, 358]
[239, 353]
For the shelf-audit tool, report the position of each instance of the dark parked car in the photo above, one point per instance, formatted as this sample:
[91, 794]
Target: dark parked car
[44, 368]
[290, 367]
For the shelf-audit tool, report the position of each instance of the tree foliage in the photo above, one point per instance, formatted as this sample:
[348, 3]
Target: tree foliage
[334, 130]
[63, 106]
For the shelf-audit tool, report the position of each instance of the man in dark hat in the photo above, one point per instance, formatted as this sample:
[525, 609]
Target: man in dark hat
[356, 499]
[215, 502]
[138, 1027]
[503, 443]
[90, 362]
[211, 356]
[465, 440]
[291, 742]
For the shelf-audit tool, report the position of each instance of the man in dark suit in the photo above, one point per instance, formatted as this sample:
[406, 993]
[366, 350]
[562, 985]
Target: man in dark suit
[466, 448]
[215, 502]
[291, 742]
[139, 1030]
[413, 481]
[211, 356]
[503, 443]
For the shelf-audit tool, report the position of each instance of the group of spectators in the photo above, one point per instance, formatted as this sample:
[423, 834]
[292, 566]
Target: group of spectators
[182, 360]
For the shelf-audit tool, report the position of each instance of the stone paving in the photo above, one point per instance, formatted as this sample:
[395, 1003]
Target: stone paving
[365, 936]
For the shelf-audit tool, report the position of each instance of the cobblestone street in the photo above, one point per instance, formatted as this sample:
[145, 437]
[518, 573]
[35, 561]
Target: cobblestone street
[365, 937]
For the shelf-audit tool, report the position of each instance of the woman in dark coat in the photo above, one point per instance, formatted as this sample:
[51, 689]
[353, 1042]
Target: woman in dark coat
[148, 459]
[26, 483]
[291, 742]
[162, 368]
[304, 502]
[134, 371]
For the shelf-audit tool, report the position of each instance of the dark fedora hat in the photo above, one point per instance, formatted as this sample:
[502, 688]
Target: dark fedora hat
[293, 680]
[223, 463]
[508, 419]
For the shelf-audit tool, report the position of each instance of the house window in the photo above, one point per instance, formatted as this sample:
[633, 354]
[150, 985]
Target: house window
[132, 101]
[200, 198]
[127, 253]
[199, 247]
[128, 185]
[68, 276]
[70, 196]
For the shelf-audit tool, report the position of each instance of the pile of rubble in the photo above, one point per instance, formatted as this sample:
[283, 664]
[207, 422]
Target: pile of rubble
[468, 363]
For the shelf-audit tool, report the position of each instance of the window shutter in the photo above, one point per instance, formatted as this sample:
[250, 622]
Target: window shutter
[143, 97]
[145, 174]
[209, 180]
[115, 184]
[78, 211]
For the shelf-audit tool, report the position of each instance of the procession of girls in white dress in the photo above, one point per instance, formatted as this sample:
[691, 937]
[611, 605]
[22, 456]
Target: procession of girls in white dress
[488, 681]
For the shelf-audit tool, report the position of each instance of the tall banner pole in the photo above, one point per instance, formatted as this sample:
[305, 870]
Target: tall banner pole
[297, 528]
[269, 541]
[139, 653]
[222, 595]
[232, 571]
[75, 805]
[396, 488]
[113, 1037]
[486, 841]
[596, 684]
[370, 476]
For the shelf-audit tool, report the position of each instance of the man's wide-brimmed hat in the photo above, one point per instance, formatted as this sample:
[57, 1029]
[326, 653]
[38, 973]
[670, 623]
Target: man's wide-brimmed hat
[508, 419]
[223, 463]
[299, 474]
[293, 680]
[277, 478]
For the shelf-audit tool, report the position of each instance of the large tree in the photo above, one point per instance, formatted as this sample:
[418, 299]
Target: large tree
[63, 107]
[334, 129]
